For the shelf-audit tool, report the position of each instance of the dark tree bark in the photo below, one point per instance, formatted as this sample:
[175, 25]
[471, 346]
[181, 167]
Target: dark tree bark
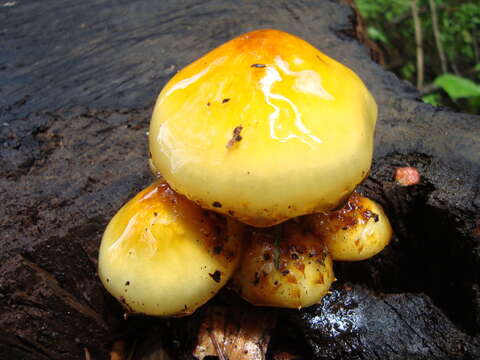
[77, 84]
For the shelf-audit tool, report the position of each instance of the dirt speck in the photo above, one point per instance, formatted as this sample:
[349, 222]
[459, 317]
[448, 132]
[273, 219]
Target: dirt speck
[236, 137]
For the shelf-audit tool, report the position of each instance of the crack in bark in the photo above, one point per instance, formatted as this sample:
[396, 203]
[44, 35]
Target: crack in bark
[66, 296]
[37, 348]
[412, 329]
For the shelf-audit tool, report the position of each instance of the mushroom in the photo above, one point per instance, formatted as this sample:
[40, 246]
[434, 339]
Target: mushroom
[356, 232]
[264, 128]
[163, 255]
[284, 266]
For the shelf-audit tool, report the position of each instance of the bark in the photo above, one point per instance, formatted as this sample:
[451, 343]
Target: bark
[356, 324]
[77, 84]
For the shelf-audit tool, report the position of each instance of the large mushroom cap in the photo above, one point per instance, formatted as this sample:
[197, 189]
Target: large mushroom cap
[264, 128]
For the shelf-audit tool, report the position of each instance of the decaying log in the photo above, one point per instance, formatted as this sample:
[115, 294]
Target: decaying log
[77, 84]
[357, 324]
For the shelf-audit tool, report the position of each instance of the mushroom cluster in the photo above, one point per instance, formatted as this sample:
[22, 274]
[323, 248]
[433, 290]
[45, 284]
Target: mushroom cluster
[260, 145]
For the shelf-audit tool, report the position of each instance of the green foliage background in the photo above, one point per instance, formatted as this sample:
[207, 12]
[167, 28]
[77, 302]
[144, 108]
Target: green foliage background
[390, 25]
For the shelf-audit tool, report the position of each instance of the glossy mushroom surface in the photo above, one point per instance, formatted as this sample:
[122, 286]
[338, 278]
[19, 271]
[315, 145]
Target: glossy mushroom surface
[163, 255]
[264, 128]
[285, 267]
[356, 232]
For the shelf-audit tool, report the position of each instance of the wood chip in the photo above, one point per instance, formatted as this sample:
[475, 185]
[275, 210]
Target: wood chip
[235, 333]
[87, 354]
[118, 351]
[285, 356]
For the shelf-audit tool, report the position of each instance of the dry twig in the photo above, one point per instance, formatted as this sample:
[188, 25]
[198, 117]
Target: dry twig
[436, 33]
[418, 41]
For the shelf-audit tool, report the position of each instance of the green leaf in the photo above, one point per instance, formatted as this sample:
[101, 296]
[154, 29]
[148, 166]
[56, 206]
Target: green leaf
[432, 99]
[407, 71]
[376, 35]
[457, 87]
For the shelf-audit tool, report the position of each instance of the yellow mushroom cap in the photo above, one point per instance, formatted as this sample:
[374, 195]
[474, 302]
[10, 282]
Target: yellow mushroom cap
[356, 232]
[284, 267]
[161, 254]
[264, 128]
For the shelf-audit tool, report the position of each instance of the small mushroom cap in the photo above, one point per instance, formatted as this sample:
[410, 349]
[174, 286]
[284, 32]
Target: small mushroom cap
[356, 232]
[284, 267]
[264, 128]
[163, 255]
